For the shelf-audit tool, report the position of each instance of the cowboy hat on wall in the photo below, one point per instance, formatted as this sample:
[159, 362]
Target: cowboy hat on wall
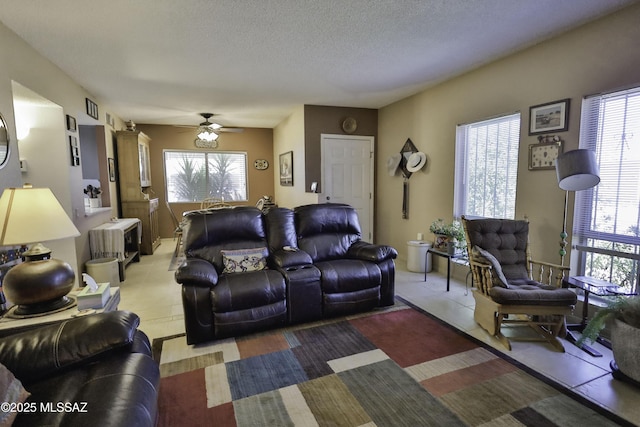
[416, 161]
[393, 162]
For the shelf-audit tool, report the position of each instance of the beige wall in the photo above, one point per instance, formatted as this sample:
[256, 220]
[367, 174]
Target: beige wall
[597, 57]
[257, 142]
[289, 136]
[24, 66]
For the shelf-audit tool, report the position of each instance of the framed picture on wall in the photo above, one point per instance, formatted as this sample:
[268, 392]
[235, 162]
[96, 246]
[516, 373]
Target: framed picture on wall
[75, 150]
[112, 169]
[549, 117]
[92, 109]
[286, 169]
[71, 123]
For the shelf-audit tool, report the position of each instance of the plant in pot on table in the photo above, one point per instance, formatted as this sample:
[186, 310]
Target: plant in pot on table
[449, 237]
[93, 193]
[623, 316]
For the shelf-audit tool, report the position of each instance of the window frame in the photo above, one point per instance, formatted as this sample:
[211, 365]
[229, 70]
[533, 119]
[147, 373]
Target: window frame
[586, 204]
[461, 178]
[206, 153]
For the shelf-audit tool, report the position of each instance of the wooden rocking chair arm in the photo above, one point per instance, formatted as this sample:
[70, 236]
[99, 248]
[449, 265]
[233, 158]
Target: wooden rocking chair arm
[550, 264]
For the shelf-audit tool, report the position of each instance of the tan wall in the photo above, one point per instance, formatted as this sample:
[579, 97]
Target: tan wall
[258, 143]
[289, 136]
[597, 57]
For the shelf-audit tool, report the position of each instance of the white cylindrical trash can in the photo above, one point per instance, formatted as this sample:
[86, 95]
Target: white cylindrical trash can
[417, 259]
[104, 270]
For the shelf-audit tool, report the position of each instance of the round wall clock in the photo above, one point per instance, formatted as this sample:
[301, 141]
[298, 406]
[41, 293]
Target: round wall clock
[261, 164]
[349, 125]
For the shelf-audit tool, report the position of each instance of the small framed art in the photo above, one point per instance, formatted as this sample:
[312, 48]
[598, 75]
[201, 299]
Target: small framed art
[112, 169]
[92, 109]
[71, 123]
[75, 150]
[543, 156]
[286, 169]
[549, 117]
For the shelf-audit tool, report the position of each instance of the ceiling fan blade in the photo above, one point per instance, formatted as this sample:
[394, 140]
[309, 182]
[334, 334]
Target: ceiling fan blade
[230, 129]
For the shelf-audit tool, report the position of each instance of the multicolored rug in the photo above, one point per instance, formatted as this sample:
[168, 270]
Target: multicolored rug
[394, 367]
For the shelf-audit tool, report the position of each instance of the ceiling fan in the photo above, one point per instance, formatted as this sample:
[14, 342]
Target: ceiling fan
[208, 132]
[218, 128]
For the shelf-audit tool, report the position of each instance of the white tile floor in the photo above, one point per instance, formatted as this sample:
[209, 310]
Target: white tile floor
[150, 291]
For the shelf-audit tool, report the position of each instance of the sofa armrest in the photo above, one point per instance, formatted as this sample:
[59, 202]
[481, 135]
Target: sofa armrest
[370, 252]
[284, 259]
[42, 352]
[197, 272]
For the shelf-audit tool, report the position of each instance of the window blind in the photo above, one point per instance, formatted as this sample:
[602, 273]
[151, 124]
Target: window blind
[610, 126]
[486, 167]
[607, 217]
[192, 176]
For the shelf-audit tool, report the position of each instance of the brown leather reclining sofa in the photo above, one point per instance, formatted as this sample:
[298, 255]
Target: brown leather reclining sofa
[247, 271]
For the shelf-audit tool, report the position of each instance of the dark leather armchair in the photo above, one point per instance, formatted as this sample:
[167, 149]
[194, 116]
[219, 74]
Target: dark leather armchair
[511, 288]
[102, 360]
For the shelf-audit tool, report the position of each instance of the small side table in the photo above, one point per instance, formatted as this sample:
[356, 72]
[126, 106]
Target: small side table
[589, 285]
[449, 257]
[13, 324]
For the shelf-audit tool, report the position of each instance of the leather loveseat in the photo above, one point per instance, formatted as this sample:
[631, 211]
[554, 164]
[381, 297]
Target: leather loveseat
[247, 271]
[95, 370]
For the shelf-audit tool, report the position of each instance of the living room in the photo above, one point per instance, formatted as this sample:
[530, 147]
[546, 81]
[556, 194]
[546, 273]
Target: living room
[597, 57]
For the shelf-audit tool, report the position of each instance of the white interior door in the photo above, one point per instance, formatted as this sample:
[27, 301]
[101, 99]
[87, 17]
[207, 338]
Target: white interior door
[347, 176]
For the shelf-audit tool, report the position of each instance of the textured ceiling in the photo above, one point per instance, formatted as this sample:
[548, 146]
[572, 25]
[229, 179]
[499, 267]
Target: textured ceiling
[251, 62]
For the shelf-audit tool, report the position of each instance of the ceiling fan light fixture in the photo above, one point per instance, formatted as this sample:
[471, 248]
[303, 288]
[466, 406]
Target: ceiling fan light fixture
[206, 133]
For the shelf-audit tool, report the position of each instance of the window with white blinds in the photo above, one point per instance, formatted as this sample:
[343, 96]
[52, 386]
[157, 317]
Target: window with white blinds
[607, 217]
[192, 176]
[487, 168]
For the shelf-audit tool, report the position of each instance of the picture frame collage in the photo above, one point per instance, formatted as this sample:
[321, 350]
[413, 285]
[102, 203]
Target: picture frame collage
[547, 118]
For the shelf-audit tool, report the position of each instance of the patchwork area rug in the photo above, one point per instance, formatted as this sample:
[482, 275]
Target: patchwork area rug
[394, 367]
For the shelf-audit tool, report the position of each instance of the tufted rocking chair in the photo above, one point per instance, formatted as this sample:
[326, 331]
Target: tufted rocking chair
[511, 289]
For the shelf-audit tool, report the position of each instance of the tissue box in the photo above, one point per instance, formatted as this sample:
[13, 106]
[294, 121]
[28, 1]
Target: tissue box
[90, 299]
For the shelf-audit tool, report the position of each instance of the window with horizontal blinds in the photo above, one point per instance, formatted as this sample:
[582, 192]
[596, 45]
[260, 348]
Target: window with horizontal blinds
[486, 167]
[192, 176]
[607, 218]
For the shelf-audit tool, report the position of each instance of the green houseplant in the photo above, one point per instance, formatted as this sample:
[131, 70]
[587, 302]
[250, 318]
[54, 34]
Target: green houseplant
[623, 315]
[449, 236]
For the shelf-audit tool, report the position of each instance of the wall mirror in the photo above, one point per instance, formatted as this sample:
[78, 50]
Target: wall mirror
[4, 141]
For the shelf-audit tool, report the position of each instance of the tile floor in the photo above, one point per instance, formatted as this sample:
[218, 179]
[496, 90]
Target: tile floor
[150, 291]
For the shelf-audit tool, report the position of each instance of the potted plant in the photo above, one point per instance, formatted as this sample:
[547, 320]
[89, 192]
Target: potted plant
[623, 315]
[449, 237]
[93, 193]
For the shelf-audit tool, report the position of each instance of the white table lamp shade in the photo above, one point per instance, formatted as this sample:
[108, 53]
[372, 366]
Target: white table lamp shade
[30, 215]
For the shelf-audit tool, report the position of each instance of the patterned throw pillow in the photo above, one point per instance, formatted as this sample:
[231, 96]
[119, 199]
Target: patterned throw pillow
[11, 391]
[241, 260]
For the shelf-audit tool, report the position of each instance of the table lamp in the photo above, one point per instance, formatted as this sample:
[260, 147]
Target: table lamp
[577, 170]
[40, 283]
